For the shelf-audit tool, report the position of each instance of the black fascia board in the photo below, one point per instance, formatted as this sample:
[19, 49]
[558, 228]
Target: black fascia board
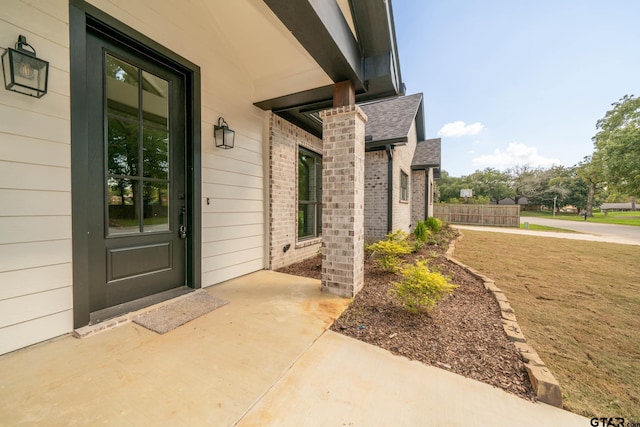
[293, 107]
[375, 28]
[305, 99]
[318, 98]
[322, 30]
[382, 144]
[424, 167]
[302, 121]
[420, 128]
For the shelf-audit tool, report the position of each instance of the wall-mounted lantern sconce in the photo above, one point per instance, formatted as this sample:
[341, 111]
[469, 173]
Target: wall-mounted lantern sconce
[223, 135]
[23, 71]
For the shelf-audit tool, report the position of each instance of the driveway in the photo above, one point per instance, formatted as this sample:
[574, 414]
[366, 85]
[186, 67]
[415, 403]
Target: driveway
[613, 233]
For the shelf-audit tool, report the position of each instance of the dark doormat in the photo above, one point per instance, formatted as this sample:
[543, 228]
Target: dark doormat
[180, 311]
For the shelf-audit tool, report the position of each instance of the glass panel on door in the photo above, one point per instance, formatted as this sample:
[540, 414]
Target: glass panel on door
[138, 166]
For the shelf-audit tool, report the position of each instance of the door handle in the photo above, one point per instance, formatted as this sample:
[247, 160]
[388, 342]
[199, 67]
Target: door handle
[182, 230]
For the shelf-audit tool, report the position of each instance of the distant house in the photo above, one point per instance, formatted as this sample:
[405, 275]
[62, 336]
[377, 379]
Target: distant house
[509, 201]
[619, 207]
[522, 201]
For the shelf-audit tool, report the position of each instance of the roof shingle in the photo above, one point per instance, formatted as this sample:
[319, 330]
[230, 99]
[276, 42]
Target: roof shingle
[391, 119]
[427, 154]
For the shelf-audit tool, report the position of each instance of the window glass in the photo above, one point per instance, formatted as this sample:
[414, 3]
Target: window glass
[138, 135]
[404, 186]
[123, 206]
[309, 194]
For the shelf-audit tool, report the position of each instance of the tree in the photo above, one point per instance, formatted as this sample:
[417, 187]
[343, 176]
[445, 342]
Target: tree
[590, 170]
[448, 187]
[617, 145]
[551, 187]
[568, 187]
[528, 182]
[491, 183]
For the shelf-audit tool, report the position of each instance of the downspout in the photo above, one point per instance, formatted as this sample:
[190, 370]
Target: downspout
[388, 149]
[426, 193]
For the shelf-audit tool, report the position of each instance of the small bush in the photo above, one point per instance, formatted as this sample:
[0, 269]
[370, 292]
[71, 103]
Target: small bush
[387, 252]
[421, 289]
[433, 224]
[418, 245]
[421, 232]
[397, 236]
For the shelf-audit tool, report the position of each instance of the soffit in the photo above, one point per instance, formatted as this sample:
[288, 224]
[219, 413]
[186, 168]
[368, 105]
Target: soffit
[276, 62]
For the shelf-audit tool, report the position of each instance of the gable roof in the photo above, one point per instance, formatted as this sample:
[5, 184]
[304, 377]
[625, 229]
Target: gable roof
[427, 154]
[389, 120]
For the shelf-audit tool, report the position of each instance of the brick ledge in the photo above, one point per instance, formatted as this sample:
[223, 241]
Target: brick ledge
[91, 330]
[545, 385]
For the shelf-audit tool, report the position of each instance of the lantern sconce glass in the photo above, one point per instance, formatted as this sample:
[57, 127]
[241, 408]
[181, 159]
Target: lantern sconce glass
[223, 135]
[23, 71]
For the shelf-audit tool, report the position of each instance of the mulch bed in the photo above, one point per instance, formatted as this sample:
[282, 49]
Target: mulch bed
[462, 334]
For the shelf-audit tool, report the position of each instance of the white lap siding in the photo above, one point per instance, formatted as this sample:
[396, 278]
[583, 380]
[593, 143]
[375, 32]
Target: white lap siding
[36, 299]
[35, 184]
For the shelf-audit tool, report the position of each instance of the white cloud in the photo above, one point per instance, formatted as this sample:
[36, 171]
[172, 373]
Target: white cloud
[515, 154]
[460, 128]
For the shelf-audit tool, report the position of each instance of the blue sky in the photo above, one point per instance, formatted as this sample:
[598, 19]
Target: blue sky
[517, 82]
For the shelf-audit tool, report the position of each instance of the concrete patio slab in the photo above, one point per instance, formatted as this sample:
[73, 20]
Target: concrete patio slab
[206, 372]
[263, 359]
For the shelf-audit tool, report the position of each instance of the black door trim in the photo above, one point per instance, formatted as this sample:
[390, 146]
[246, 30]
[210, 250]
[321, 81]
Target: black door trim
[82, 16]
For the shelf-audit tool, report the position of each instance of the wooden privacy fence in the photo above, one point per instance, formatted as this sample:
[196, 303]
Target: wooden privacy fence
[492, 215]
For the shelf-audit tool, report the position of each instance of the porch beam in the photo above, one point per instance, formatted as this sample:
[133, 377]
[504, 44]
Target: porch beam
[322, 30]
[343, 94]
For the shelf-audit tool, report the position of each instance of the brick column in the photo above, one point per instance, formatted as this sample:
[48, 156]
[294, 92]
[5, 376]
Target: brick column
[343, 200]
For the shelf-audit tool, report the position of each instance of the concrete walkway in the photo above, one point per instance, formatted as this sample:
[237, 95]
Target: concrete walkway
[264, 359]
[614, 233]
[601, 237]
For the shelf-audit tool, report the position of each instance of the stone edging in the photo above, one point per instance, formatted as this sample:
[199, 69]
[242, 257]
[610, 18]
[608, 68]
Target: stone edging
[544, 383]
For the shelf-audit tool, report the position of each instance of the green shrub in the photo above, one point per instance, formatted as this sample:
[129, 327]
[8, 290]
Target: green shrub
[421, 231]
[433, 224]
[420, 289]
[397, 236]
[387, 252]
[418, 245]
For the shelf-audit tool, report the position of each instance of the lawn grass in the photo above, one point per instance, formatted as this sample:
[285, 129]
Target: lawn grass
[622, 218]
[578, 304]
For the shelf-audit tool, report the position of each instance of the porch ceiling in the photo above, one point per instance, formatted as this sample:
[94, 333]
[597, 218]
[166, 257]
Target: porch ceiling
[347, 40]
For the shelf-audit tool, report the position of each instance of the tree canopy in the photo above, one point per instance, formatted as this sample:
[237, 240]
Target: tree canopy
[490, 182]
[617, 145]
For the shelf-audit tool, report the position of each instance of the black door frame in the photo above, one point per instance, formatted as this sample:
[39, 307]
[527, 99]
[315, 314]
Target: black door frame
[81, 16]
